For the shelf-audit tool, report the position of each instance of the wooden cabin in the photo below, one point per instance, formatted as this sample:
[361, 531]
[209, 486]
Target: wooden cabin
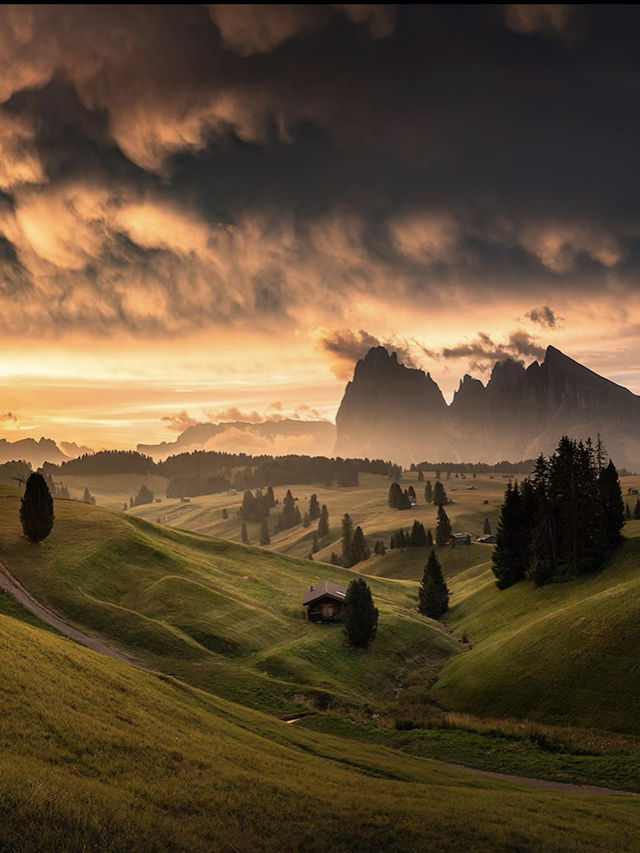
[324, 601]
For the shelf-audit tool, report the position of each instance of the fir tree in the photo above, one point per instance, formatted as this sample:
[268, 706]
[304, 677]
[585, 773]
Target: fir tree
[433, 593]
[428, 492]
[270, 497]
[265, 539]
[510, 553]
[411, 492]
[627, 512]
[405, 501]
[443, 527]
[636, 509]
[420, 476]
[86, 497]
[347, 535]
[429, 537]
[358, 549]
[315, 545]
[36, 509]
[486, 527]
[290, 514]
[243, 534]
[323, 523]
[612, 506]
[395, 495]
[306, 520]
[360, 615]
[314, 508]
[439, 494]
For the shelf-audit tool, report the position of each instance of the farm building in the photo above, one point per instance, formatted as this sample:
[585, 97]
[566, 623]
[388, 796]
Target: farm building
[460, 539]
[324, 601]
[487, 539]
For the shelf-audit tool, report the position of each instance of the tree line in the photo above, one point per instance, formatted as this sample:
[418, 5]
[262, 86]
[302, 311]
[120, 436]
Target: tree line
[563, 521]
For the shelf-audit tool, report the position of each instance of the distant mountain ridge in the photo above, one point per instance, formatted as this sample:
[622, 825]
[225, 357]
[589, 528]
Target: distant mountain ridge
[32, 451]
[399, 413]
[313, 438]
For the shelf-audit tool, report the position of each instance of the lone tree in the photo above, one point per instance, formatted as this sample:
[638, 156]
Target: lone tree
[360, 616]
[323, 523]
[36, 509]
[265, 539]
[433, 593]
[439, 494]
[443, 527]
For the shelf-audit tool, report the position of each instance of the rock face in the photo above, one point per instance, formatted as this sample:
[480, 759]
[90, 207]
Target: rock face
[395, 412]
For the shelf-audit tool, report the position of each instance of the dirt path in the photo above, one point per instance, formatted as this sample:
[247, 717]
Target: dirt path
[9, 584]
[544, 783]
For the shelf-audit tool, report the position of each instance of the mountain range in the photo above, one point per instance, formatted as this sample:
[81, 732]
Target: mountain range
[396, 412]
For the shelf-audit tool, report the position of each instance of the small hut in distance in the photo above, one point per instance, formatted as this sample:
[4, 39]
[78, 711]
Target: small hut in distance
[324, 601]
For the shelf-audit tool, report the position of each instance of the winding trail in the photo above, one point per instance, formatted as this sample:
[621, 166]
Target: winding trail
[9, 584]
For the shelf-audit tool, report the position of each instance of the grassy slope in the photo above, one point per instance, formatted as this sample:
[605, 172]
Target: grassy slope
[565, 653]
[96, 755]
[222, 616]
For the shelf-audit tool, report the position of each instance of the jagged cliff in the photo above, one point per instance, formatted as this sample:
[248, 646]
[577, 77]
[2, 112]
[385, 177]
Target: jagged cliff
[397, 412]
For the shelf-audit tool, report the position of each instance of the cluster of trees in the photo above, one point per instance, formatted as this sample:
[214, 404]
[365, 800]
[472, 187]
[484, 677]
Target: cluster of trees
[565, 520]
[257, 507]
[354, 545]
[105, 462]
[417, 537]
[525, 466]
[290, 514]
[144, 496]
[399, 498]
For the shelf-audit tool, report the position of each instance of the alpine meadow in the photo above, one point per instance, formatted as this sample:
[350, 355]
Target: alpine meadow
[320, 428]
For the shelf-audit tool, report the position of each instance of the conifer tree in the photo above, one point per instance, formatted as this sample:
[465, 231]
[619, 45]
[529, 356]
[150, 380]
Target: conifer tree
[36, 509]
[315, 545]
[612, 506]
[395, 495]
[314, 508]
[428, 492]
[358, 547]
[323, 523]
[265, 539]
[411, 492]
[429, 537]
[510, 553]
[243, 533]
[439, 494]
[433, 593]
[360, 616]
[270, 497]
[627, 512]
[443, 527]
[420, 476]
[86, 497]
[347, 535]
[486, 527]
[636, 509]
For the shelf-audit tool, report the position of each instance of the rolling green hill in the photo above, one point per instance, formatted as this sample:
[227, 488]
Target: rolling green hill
[221, 616]
[98, 755]
[563, 653]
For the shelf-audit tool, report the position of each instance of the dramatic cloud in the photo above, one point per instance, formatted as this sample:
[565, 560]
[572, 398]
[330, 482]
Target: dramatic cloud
[346, 347]
[543, 316]
[483, 352]
[180, 421]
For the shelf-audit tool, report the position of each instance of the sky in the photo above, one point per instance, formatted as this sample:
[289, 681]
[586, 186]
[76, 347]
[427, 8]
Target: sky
[211, 212]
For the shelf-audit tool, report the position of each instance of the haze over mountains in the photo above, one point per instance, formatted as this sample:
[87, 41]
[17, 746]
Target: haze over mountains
[393, 411]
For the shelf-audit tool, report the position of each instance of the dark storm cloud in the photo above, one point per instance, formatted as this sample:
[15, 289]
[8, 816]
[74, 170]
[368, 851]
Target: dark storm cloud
[483, 351]
[169, 167]
[543, 316]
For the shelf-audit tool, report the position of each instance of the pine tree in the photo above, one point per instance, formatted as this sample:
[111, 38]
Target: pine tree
[420, 476]
[265, 539]
[315, 545]
[395, 495]
[439, 494]
[428, 492]
[306, 520]
[270, 497]
[433, 593]
[612, 507]
[347, 535]
[323, 523]
[86, 497]
[429, 537]
[243, 534]
[290, 514]
[510, 553]
[314, 508]
[487, 527]
[443, 527]
[411, 492]
[360, 616]
[36, 509]
[358, 547]
[636, 509]
[627, 512]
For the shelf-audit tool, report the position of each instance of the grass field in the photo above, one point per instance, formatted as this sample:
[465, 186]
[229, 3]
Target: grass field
[96, 755]
[222, 616]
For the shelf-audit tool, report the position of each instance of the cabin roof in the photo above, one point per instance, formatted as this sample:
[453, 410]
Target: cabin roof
[323, 589]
